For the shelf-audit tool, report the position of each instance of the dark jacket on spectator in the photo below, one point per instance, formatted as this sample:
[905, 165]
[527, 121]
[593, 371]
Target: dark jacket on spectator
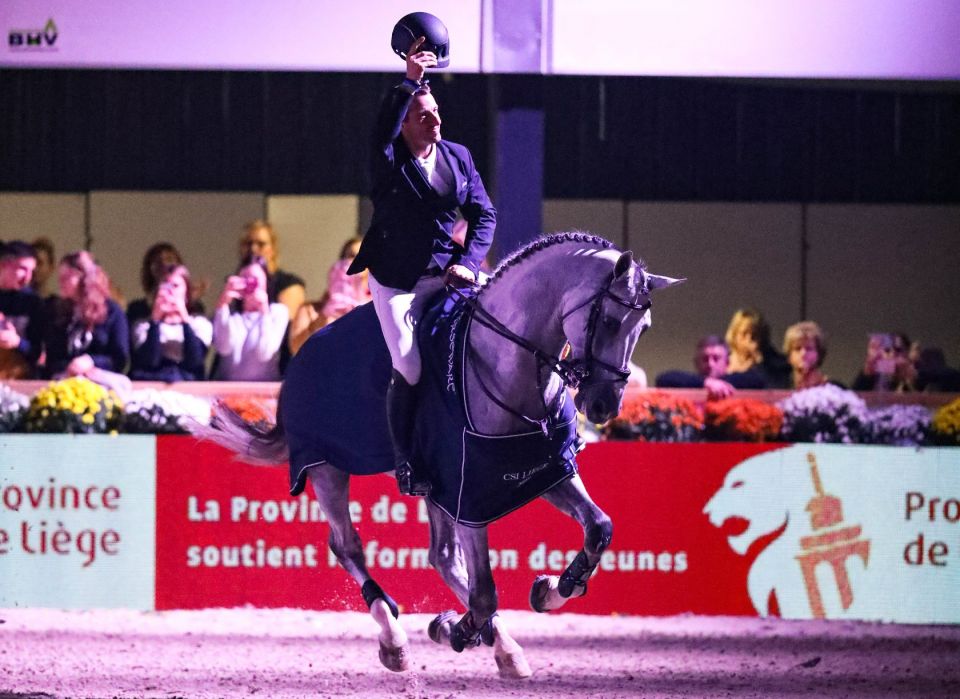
[24, 309]
[108, 343]
[150, 364]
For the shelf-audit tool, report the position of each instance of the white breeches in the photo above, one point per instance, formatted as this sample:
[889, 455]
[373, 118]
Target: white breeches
[399, 312]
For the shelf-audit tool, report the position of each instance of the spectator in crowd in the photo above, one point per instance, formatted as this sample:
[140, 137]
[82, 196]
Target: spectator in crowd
[754, 363]
[887, 365]
[86, 328]
[171, 345]
[157, 261]
[21, 312]
[259, 238]
[710, 361]
[46, 265]
[343, 294]
[805, 347]
[248, 330]
[933, 374]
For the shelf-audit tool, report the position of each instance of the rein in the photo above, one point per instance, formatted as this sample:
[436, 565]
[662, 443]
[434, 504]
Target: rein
[571, 373]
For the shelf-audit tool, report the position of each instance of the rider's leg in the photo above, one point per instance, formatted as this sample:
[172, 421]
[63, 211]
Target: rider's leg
[571, 498]
[333, 493]
[398, 312]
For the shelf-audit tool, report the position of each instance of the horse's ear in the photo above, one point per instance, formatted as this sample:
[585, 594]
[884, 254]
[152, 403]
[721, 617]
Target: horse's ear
[624, 265]
[656, 281]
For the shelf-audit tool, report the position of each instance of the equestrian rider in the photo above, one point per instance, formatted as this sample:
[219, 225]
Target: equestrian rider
[419, 184]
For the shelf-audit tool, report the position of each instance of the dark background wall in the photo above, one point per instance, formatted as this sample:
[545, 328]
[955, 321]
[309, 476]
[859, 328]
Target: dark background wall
[619, 138]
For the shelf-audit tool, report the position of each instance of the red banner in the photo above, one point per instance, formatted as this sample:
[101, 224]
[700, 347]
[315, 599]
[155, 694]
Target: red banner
[228, 534]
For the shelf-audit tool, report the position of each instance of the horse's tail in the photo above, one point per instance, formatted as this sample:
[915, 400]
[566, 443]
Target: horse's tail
[256, 443]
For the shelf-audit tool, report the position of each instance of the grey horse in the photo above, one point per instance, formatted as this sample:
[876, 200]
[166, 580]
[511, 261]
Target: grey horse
[565, 311]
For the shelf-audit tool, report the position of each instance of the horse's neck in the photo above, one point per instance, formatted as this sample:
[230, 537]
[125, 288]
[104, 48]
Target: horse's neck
[528, 300]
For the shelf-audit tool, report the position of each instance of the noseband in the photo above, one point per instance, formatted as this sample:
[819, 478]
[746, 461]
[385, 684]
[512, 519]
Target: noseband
[571, 372]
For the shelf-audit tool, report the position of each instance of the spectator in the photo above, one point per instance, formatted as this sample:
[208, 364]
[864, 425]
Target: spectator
[343, 294]
[806, 348]
[46, 265]
[710, 361]
[21, 312]
[754, 363]
[259, 238]
[933, 374]
[157, 261]
[887, 365]
[86, 329]
[248, 330]
[171, 345]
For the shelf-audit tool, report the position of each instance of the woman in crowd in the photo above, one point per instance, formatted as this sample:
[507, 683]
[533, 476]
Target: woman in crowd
[158, 259]
[887, 366]
[806, 348]
[753, 362]
[343, 294]
[170, 345]
[248, 330]
[259, 238]
[87, 330]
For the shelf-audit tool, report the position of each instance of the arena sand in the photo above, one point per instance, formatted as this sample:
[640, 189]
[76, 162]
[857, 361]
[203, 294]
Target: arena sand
[295, 653]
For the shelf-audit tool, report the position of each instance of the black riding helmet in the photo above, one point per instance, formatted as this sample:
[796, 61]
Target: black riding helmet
[417, 24]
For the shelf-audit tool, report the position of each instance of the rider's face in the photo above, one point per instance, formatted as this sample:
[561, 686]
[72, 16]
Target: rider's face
[421, 126]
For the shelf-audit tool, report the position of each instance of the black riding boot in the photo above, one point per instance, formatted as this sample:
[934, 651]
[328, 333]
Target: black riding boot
[401, 411]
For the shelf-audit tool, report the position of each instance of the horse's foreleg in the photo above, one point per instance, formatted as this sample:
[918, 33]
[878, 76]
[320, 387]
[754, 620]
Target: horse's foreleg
[570, 497]
[332, 488]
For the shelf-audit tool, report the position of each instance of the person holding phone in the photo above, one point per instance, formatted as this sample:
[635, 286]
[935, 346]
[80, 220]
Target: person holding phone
[171, 345]
[420, 183]
[248, 330]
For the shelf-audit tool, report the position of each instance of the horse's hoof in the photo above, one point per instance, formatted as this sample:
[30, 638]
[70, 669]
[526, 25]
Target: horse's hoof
[441, 625]
[395, 659]
[539, 592]
[513, 666]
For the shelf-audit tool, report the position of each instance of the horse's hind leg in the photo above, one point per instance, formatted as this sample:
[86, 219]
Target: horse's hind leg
[332, 488]
[447, 557]
[570, 497]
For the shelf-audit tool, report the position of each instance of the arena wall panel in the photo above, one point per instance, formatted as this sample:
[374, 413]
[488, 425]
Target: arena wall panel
[733, 256]
[312, 230]
[60, 217]
[205, 227]
[883, 268]
[601, 216]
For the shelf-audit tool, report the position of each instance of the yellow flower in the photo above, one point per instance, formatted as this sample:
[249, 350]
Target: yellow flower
[87, 419]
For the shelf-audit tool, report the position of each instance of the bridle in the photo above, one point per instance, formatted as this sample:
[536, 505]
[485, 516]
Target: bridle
[572, 372]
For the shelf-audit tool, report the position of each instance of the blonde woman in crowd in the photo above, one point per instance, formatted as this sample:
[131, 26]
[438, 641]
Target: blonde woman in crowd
[752, 357]
[805, 347]
[260, 238]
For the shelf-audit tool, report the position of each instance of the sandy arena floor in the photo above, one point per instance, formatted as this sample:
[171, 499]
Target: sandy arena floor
[293, 653]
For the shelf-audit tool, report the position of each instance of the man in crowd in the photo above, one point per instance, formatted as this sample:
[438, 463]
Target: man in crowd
[710, 362]
[21, 312]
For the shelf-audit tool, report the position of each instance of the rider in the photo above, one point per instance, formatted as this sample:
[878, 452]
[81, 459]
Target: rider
[419, 183]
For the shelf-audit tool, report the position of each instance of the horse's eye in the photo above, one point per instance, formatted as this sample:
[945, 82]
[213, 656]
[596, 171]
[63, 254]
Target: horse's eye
[611, 324]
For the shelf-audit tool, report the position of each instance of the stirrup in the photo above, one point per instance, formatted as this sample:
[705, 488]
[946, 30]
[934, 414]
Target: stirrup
[406, 482]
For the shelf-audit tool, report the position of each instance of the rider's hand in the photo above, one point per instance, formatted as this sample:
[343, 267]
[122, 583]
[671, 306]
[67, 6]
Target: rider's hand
[718, 389]
[419, 61]
[458, 275]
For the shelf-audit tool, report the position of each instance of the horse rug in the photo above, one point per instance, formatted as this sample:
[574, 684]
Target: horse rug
[332, 408]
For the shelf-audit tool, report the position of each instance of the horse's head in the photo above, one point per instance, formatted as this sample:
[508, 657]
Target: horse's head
[603, 330]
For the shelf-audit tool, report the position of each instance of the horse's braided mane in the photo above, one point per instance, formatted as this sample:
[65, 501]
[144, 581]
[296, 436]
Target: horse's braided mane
[542, 243]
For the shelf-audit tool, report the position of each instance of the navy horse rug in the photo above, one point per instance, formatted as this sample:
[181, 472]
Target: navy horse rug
[332, 408]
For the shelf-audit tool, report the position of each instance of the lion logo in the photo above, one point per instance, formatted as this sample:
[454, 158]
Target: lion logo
[811, 565]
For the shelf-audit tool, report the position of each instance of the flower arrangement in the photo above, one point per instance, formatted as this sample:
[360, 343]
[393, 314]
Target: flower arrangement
[163, 412]
[898, 425]
[259, 413]
[825, 413]
[946, 424]
[656, 416]
[742, 420]
[13, 408]
[77, 406]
